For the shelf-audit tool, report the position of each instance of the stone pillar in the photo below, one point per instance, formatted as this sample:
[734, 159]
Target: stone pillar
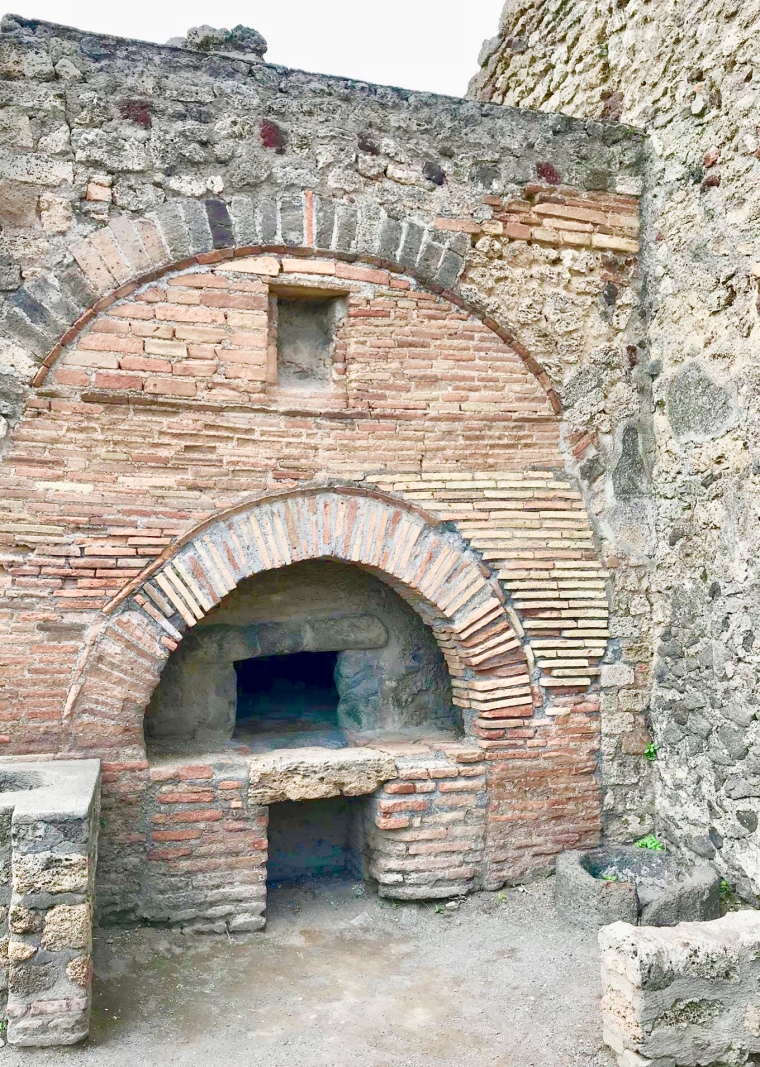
[52, 811]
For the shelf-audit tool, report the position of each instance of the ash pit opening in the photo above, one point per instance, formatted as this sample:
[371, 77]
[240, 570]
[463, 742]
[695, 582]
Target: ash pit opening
[315, 840]
[291, 696]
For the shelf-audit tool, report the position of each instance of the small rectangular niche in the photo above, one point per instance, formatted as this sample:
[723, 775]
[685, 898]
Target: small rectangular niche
[316, 839]
[302, 326]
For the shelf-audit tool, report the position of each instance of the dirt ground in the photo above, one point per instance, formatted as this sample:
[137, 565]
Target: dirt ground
[341, 978]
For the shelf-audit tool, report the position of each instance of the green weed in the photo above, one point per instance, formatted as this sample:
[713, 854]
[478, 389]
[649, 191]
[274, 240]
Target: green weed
[651, 842]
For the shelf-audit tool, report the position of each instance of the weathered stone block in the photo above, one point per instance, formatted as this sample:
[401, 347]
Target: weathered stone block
[53, 809]
[309, 773]
[585, 900]
[68, 926]
[685, 996]
[46, 872]
[629, 884]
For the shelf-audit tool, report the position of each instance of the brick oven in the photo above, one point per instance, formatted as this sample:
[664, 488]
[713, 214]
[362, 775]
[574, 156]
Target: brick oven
[292, 528]
[492, 767]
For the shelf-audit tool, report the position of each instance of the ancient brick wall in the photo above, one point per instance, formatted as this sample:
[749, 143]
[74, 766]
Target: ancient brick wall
[484, 257]
[684, 71]
[426, 829]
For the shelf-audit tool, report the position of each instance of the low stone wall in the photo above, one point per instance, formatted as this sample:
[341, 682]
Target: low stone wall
[49, 819]
[685, 996]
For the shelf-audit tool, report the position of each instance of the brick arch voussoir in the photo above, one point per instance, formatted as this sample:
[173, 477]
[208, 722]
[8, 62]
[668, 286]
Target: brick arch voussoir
[49, 311]
[426, 562]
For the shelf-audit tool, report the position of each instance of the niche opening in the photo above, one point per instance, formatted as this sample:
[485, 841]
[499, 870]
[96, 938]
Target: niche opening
[302, 331]
[291, 698]
[315, 839]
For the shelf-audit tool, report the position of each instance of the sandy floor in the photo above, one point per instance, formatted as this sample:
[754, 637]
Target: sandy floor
[343, 979]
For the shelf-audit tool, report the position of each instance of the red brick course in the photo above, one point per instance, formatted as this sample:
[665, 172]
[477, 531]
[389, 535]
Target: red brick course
[560, 216]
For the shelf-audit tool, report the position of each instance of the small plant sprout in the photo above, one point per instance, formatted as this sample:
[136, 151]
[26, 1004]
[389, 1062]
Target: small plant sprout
[650, 752]
[725, 887]
[609, 878]
[652, 842]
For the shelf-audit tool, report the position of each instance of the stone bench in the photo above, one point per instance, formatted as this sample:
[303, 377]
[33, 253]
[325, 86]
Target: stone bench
[683, 996]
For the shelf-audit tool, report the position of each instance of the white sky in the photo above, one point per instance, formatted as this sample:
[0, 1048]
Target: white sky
[417, 44]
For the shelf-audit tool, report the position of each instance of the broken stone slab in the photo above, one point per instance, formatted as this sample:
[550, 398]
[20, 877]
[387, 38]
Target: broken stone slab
[313, 773]
[619, 883]
[683, 996]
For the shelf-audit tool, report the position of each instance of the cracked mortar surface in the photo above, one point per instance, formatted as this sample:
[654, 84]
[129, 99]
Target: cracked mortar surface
[336, 978]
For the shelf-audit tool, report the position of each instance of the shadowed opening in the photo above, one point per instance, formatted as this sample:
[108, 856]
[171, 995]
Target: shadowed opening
[288, 695]
[317, 653]
[315, 839]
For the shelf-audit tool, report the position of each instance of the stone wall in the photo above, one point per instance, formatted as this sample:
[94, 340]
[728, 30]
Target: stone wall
[158, 203]
[685, 71]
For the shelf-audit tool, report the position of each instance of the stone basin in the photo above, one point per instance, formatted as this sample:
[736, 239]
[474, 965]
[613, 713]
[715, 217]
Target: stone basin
[634, 885]
[19, 781]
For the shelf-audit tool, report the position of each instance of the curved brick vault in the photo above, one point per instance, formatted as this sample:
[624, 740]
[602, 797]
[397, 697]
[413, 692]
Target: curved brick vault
[47, 312]
[427, 563]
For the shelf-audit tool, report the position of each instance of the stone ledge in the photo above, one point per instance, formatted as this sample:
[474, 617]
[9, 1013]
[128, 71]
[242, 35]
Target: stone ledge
[55, 789]
[314, 773]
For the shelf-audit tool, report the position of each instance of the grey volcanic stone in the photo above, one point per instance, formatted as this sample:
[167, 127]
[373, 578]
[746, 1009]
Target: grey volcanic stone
[634, 885]
[585, 900]
[629, 477]
[698, 408]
